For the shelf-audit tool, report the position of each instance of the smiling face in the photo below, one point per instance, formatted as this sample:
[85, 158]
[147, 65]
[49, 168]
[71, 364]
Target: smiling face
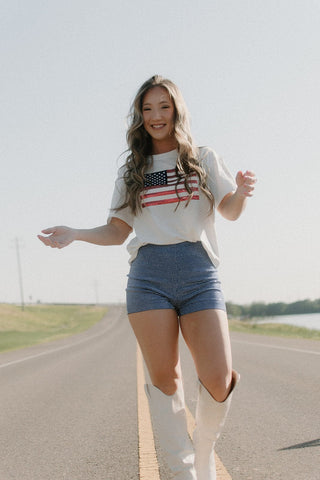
[158, 119]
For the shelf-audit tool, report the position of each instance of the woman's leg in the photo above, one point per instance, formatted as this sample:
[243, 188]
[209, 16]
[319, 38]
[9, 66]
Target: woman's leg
[157, 332]
[206, 334]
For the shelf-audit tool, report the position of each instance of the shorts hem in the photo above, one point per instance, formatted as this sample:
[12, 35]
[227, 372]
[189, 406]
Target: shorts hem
[142, 309]
[201, 309]
[192, 309]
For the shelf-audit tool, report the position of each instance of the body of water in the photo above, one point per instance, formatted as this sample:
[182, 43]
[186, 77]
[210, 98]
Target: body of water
[308, 320]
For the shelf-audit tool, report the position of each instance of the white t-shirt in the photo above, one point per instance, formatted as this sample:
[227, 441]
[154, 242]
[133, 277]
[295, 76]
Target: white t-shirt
[163, 220]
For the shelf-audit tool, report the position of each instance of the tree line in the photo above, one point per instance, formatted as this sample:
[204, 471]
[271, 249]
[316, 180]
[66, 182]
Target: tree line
[260, 309]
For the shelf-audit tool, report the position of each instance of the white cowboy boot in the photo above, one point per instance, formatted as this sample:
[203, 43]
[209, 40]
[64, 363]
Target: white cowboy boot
[210, 418]
[170, 426]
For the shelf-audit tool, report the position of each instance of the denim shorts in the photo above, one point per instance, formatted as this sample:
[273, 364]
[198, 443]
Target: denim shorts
[179, 277]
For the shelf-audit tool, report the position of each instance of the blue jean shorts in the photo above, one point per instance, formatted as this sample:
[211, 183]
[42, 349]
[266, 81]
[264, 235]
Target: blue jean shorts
[179, 277]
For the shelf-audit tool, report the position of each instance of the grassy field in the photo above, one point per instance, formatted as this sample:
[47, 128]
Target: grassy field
[276, 329]
[44, 323]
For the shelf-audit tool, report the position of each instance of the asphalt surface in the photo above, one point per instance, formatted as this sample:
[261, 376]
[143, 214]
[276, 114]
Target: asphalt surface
[273, 428]
[68, 410]
[71, 414]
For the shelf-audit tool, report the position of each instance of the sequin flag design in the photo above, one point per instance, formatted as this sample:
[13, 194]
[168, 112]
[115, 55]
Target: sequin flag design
[160, 188]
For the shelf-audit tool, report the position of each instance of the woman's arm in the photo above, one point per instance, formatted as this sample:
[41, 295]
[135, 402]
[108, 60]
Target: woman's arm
[114, 233]
[233, 204]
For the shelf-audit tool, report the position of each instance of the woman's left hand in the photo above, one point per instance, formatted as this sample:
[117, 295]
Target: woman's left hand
[245, 182]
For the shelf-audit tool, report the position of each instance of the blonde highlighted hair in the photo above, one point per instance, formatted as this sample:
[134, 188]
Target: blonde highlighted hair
[140, 147]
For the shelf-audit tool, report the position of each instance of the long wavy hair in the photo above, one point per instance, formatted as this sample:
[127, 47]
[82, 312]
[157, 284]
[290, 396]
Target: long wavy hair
[140, 147]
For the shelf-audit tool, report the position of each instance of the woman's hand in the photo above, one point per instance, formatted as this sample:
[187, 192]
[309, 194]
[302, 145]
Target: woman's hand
[58, 237]
[233, 204]
[245, 182]
[114, 233]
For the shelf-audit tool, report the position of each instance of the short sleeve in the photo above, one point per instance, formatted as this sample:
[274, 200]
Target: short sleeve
[219, 181]
[118, 198]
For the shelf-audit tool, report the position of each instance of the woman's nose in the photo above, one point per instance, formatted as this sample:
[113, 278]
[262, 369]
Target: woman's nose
[156, 114]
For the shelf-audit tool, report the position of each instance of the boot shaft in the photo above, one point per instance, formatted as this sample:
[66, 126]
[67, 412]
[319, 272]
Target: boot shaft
[170, 428]
[210, 419]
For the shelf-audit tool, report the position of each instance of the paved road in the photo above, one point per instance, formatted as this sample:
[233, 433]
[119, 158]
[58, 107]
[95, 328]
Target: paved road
[274, 427]
[70, 410]
[71, 414]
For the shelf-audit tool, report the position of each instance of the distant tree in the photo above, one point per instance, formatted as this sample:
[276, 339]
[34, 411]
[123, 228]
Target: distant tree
[317, 305]
[260, 309]
[234, 310]
[276, 309]
[303, 306]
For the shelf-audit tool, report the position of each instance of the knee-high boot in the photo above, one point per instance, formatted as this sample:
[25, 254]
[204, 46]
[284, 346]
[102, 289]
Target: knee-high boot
[210, 418]
[170, 426]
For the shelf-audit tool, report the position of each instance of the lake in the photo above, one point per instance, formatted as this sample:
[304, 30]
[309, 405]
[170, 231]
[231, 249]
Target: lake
[308, 320]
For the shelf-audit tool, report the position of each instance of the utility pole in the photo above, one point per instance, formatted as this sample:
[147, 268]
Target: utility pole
[96, 290]
[20, 272]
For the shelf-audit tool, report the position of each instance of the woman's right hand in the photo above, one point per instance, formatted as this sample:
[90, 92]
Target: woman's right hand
[58, 237]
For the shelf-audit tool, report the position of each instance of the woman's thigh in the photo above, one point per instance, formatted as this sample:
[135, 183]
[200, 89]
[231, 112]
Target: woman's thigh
[207, 335]
[157, 332]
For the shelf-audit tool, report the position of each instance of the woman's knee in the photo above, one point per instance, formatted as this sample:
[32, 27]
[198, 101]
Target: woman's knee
[165, 381]
[218, 385]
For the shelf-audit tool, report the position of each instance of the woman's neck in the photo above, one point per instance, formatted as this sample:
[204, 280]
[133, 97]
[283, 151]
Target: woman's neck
[164, 147]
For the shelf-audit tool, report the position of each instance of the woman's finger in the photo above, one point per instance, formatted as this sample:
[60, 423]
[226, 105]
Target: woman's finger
[44, 240]
[47, 231]
[250, 176]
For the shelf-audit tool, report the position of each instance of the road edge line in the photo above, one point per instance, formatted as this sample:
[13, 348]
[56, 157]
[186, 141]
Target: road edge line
[277, 347]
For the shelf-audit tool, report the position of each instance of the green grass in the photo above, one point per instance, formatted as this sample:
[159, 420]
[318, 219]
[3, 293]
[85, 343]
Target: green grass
[275, 329]
[44, 323]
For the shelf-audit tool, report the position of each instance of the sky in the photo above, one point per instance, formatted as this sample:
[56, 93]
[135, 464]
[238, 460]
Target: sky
[250, 74]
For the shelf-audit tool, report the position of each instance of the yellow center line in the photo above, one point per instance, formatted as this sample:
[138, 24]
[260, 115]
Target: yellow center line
[148, 463]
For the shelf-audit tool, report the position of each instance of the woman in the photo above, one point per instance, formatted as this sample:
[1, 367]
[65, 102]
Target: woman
[167, 192]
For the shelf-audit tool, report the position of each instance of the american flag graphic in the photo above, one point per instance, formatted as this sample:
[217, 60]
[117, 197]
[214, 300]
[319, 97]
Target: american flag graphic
[160, 188]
